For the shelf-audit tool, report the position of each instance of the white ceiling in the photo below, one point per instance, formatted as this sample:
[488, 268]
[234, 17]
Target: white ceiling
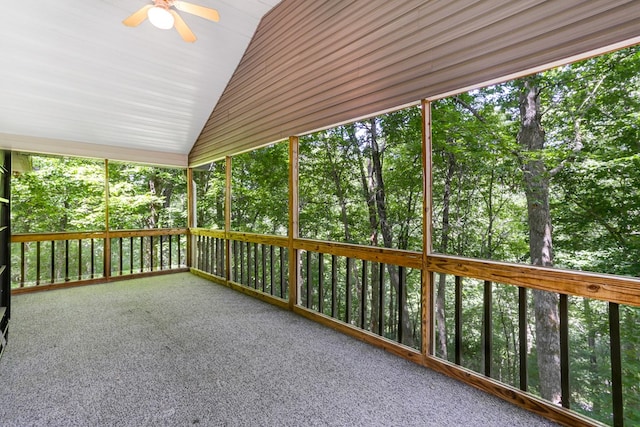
[73, 77]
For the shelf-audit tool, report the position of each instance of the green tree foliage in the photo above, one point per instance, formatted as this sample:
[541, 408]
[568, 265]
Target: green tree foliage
[260, 191]
[146, 197]
[58, 194]
[362, 183]
[210, 195]
[588, 160]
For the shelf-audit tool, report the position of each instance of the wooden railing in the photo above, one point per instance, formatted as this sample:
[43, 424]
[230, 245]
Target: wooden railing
[251, 263]
[383, 296]
[54, 259]
[372, 289]
[387, 297]
[614, 290]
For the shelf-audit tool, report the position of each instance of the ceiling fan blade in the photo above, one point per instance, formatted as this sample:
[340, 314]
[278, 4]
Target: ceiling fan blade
[184, 31]
[194, 9]
[137, 17]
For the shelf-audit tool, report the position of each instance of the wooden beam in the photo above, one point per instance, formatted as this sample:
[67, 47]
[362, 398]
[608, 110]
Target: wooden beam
[227, 215]
[427, 284]
[107, 237]
[399, 257]
[294, 218]
[621, 290]
[191, 213]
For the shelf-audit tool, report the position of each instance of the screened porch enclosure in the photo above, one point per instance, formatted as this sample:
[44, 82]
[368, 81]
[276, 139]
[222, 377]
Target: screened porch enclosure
[382, 296]
[452, 182]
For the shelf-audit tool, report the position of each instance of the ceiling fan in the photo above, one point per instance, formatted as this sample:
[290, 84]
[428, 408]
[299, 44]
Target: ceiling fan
[162, 15]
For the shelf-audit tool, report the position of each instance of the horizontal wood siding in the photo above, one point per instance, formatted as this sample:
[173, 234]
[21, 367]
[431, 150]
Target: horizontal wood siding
[313, 64]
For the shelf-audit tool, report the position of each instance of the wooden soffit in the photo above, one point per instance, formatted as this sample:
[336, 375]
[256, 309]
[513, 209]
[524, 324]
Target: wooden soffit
[312, 64]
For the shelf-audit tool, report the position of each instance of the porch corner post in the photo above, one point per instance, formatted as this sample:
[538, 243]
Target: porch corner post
[107, 238]
[227, 217]
[428, 288]
[294, 216]
[191, 218]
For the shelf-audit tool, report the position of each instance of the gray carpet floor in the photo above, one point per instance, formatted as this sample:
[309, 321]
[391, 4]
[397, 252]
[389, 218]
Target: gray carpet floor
[178, 350]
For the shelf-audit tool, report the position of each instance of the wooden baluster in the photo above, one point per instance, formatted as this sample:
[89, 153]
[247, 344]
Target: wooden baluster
[53, 261]
[363, 296]
[402, 286]
[264, 267]
[255, 266]
[564, 351]
[93, 258]
[79, 259]
[141, 254]
[458, 320]
[616, 364]
[22, 264]
[121, 251]
[381, 299]
[334, 285]
[488, 327]
[66, 260]
[130, 255]
[523, 337]
[151, 253]
[271, 271]
[347, 314]
[321, 283]
[309, 279]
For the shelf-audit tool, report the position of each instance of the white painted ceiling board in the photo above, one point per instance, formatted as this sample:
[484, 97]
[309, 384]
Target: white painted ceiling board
[71, 71]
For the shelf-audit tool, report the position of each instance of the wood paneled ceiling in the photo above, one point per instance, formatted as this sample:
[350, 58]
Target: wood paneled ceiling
[313, 64]
[75, 80]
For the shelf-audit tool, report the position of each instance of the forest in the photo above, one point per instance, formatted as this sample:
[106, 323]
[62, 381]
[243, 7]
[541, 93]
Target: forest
[541, 170]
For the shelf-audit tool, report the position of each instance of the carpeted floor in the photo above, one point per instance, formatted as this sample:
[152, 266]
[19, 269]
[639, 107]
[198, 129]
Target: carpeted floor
[178, 350]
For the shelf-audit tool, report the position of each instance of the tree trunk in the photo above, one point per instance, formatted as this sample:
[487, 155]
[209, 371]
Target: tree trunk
[340, 193]
[441, 320]
[365, 180]
[387, 236]
[536, 179]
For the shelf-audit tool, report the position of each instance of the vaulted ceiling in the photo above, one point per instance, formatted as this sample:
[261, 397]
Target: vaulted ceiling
[75, 80]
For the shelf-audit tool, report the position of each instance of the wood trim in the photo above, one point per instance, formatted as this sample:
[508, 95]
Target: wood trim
[410, 259]
[33, 144]
[360, 334]
[148, 232]
[64, 285]
[47, 237]
[427, 284]
[510, 394]
[259, 238]
[242, 289]
[191, 213]
[294, 220]
[208, 232]
[107, 237]
[590, 285]
[228, 173]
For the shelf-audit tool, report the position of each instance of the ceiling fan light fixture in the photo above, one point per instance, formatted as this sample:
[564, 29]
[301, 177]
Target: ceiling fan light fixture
[160, 18]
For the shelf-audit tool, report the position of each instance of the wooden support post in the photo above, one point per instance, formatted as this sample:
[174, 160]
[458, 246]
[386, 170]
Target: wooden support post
[294, 211]
[427, 277]
[107, 238]
[227, 218]
[191, 216]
